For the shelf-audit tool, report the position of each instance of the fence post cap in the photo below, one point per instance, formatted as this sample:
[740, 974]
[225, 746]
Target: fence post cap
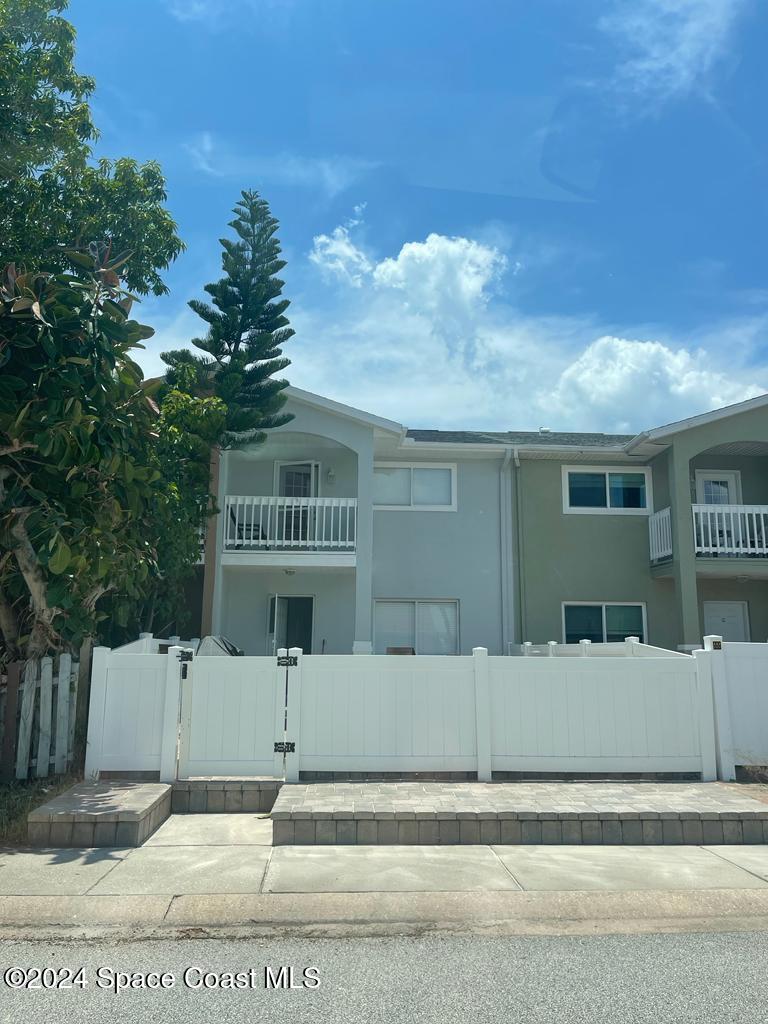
[713, 642]
[295, 651]
[479, 650]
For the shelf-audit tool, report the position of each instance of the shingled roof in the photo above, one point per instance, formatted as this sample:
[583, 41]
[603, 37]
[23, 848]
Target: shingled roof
[522, 437]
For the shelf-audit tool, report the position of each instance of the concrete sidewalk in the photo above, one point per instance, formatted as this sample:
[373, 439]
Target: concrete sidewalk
[221, 871]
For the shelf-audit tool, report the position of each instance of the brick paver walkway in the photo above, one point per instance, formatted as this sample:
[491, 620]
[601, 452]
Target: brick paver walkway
[573, 812]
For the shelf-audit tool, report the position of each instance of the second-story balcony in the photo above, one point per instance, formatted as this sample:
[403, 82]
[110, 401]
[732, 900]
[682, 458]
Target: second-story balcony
[719, 531]
[283, 524]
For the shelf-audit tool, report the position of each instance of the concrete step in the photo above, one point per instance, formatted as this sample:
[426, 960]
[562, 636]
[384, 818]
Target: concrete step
[99, 814]
[224, 795]
[408, 813]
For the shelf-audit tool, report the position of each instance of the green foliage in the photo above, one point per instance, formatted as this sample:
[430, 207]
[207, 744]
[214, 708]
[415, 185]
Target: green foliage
[50, 191]
[44, 112]
[247, 328]
[79, 477]
[188, 427]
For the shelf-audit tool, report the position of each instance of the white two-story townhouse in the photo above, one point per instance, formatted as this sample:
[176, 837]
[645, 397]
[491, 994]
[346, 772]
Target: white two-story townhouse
[348, 533]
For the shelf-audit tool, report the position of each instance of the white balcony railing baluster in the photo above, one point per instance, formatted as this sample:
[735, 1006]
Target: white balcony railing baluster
[275, 523]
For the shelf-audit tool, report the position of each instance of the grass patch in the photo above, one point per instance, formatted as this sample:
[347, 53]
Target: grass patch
[17, 799]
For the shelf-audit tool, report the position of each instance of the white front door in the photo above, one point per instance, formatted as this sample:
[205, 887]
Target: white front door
[728, 619]
[718, 487]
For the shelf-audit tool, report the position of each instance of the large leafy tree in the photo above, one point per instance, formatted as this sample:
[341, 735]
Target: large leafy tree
[247, 328]
[79, 480]
[188, 426]
[52, 195]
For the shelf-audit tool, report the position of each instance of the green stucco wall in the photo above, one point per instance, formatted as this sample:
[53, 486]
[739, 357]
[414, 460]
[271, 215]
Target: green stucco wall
[598, 557]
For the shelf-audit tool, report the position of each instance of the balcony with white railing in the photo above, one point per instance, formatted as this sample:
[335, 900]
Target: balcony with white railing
[731, 531]
[281, 524]
[719, 531]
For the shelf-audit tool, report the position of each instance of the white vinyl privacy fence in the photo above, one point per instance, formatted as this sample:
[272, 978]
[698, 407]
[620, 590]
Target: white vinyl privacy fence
[740, 680]
[179, 716]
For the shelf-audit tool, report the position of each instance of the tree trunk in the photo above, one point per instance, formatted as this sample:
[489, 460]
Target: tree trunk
[83, 699]
[9, 627]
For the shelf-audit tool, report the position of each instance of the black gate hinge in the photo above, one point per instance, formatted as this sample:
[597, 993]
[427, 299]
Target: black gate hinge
[287, 661]
[287, 747]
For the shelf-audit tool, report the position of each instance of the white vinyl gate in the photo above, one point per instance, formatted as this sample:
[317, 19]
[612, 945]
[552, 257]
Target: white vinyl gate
[232, 711]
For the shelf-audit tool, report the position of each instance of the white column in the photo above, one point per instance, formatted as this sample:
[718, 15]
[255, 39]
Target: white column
[726, 768]
[363, 639]
[97, 704]
[482, 713]
[293, 732]
[169, 744]
[703, 661]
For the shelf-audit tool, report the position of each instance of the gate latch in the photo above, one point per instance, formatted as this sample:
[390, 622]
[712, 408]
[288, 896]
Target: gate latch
[287, 661]
[287, 747]
[184, 658]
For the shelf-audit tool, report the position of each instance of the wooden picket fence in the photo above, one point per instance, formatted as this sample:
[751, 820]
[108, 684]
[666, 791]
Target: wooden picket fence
[37, 718]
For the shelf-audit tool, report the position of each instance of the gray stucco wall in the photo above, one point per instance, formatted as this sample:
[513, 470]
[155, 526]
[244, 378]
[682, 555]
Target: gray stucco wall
[246, 592]
[583, 558]
[450, 555]
[255, 473]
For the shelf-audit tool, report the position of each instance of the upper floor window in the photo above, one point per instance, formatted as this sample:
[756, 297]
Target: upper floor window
[423, 486]
[614, 491]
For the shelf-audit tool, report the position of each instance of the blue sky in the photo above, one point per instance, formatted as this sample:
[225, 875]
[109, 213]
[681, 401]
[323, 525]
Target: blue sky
[505, 215]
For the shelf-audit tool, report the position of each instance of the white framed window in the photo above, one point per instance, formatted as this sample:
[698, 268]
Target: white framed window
[297, 479]
[415, 486]
[607, 490]
[718, 486]
[425, 627]
[609, 622]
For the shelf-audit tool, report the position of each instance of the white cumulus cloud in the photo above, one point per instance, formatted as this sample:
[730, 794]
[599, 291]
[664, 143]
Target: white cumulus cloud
[623, 383]
[428, 337]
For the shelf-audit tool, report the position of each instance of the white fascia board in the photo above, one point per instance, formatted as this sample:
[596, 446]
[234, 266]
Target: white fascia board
[701, 420]
[410, 445]
[522, 451]
[388, 426]
[532, 450]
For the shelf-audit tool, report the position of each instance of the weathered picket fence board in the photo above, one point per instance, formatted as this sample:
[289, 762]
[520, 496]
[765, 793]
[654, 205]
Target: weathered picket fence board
[37, 718]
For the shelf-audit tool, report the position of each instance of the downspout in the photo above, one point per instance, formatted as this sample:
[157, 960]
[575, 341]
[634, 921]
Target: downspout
[504, 534]
[519, 550]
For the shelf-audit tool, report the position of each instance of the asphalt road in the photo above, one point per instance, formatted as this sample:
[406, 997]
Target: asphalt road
[655, 978]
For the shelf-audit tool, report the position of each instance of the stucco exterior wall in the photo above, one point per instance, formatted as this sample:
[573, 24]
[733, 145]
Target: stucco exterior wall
[245, 596]
[582, 558]
[450, 555]
[255, 473]
[753, 470]
[754, 592]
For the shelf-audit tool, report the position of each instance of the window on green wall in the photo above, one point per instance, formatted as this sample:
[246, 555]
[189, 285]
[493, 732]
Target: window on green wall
[603, 623]
[590, 489]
